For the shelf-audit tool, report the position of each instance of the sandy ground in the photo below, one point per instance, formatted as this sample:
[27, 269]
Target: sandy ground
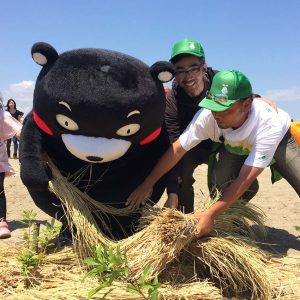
[280, 203]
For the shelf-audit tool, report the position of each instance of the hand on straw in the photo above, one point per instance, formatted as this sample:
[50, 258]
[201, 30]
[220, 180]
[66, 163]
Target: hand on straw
[205, 223]
[139, 196]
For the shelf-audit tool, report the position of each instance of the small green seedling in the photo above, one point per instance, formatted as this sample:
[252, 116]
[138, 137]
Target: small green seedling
[109, 265]
[35, 246]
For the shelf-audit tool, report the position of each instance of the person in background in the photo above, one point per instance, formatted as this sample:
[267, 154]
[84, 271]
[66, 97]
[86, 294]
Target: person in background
[11, 107]
[254, 136]
[9, 127]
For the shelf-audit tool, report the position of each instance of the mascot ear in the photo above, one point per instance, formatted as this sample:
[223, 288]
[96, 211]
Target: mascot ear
[43, 54]
[163, 71]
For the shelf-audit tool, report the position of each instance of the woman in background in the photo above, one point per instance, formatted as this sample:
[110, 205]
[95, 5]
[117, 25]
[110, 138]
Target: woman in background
[11, 107]
[9, 127]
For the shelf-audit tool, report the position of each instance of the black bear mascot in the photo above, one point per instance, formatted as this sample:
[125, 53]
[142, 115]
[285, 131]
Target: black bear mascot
[98, 114]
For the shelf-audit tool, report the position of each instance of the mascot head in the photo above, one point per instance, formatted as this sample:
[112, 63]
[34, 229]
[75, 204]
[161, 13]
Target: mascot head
[98, 102]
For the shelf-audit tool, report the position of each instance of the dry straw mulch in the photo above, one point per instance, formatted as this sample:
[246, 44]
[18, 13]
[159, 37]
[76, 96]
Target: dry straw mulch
[227, 263]
[60, 277]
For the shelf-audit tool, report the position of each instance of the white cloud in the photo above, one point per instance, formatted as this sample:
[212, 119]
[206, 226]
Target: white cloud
[291, 94]
[22, 93]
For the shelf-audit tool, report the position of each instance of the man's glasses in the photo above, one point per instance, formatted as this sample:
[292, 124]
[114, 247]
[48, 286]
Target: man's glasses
[194, 70]
[219, 98]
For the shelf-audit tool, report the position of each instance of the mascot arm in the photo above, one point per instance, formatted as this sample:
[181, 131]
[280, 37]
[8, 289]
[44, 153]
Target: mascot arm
[35, 173]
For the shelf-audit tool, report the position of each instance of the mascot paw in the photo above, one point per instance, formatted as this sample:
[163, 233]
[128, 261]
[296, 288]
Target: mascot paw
[35, 175]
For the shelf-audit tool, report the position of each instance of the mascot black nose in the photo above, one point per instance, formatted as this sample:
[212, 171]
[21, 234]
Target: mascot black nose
[94, 158]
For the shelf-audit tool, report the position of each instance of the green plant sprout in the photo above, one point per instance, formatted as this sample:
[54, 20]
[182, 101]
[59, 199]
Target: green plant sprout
[35, 246]
[110, 265]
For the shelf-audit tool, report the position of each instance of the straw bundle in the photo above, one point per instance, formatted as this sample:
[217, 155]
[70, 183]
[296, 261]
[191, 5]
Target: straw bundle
[164, 242]
[156, 245]
[160, 242]
[165, 233]
[234, 265]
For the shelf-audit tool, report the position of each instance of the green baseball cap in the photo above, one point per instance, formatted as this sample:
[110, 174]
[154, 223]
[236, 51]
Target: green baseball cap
[187, 46]
[227, 87]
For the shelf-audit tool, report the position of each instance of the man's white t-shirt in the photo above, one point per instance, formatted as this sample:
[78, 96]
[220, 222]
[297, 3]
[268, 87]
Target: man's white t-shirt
[258, 137]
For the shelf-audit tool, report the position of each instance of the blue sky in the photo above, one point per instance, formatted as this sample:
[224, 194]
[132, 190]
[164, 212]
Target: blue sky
[259, 38]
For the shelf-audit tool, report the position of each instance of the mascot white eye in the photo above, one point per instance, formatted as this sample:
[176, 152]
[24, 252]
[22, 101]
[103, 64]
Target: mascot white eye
[128, 130]
[66, 122]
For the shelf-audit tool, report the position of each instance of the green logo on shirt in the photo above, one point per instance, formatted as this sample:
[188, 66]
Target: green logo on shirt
[262, 157]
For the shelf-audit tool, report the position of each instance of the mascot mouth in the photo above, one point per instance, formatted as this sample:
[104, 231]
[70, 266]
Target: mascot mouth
[94, 158]
[95, 149]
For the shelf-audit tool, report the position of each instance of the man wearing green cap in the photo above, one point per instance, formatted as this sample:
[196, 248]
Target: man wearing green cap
[254, 136]
[192, 80]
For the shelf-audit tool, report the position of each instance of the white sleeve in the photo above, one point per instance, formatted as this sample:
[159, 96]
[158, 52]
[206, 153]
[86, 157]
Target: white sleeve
[9, 125]
[265, 146]
[197, 130]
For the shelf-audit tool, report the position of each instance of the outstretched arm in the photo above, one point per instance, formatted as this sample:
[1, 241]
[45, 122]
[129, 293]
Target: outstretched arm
[234, 191]
[169, 159]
